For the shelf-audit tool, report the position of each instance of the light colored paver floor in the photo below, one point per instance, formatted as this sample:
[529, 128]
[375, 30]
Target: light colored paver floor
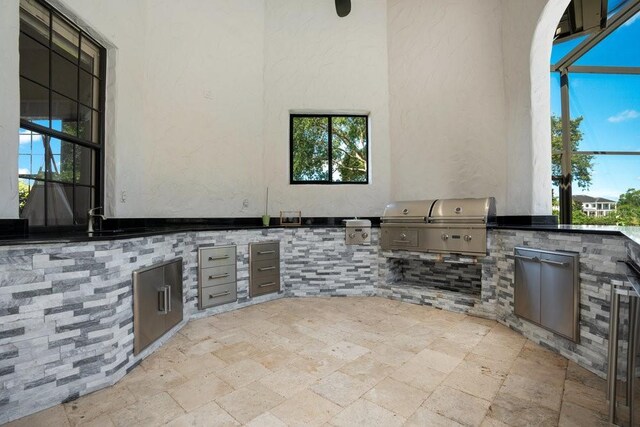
[343, 362]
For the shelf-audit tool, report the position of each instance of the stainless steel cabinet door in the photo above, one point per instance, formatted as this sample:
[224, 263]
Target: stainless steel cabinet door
[527, 286]
[173, 282]
[148, 318]
[557, 290]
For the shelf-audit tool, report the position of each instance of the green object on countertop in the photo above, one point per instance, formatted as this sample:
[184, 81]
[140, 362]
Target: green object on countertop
[265, 220]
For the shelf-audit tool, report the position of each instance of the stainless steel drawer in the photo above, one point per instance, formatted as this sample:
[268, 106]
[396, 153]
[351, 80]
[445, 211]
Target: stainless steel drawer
[399, 238]
[216, 295]
[262, 251]
[217, 256]
[265, 268]
[264, 284]
[217, 275]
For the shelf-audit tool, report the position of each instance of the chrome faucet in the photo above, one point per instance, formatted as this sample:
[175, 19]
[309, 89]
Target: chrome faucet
[91, 215]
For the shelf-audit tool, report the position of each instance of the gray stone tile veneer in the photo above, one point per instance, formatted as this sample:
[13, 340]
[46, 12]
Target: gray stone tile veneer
[66, 319]
[448, 282]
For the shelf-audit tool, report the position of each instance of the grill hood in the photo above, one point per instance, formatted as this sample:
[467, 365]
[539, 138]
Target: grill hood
[408, 211]
[476, 211]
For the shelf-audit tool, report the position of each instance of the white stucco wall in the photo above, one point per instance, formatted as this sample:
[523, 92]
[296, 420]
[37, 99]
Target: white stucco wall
[199, 95]
[528, 27]
[9, 108]
[447, 99]
[316, 61]
[203, 114]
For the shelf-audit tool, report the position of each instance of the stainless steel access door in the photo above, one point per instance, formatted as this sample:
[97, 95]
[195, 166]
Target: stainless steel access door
[547, 291]
[526, 293]
[157, 302]
[559, 291]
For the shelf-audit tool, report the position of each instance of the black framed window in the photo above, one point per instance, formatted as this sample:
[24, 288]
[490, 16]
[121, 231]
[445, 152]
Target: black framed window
[329, 149]
[60, 162]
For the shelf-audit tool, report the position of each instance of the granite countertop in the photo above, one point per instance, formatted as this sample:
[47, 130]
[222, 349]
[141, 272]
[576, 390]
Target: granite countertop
[129, 229]
[633, 233]
[133, 228]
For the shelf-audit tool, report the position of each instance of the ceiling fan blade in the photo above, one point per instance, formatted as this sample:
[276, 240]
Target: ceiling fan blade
[343, 7]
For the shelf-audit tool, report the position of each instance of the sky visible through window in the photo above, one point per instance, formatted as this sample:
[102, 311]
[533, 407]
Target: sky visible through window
[610, 107]
[31, 150]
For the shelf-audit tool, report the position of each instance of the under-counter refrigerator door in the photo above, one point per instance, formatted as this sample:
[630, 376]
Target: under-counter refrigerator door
[173, 283]
[527, 285]
[149, 302]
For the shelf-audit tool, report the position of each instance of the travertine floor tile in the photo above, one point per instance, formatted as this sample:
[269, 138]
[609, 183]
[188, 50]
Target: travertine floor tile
[235, 352]
[306, 408]
[340, 388]
[366, 369]
[345, 350]
[457, 405]
[573, 415]
[366, 414]
[147, 382]
[248, 402]
[199, 391]
[396, 396]
[517, 412]
[155, 410]
[54, 416]
[243, 372]
[436, 360]
[267, 419]
[419, 375]
[210, 414]
[541, 393]
[539, 372]
[288, 381]
[390, 355]
[581, 375]
[587, 397]
[95, 404]
[343, 361]
[425, 417]
[472, 379]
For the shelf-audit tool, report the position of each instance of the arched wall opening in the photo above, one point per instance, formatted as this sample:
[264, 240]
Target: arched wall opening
[528, 30]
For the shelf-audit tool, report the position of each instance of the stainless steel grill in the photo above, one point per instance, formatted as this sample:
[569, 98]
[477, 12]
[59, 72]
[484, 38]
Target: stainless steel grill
[441, 226]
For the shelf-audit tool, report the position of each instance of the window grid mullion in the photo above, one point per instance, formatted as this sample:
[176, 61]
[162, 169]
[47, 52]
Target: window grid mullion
[330, 133]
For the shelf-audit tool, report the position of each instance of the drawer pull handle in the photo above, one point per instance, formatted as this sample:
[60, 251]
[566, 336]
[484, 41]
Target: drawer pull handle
[264, 285]
[221, 294]
[401, 241]
[273, 267]
[216, 258]
[218, 276]
[266, 252]
[558, 263]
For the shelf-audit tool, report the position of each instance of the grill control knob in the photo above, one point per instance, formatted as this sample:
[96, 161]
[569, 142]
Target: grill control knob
[467, 238]
[352, 235]
[365, 235]
[445, 237]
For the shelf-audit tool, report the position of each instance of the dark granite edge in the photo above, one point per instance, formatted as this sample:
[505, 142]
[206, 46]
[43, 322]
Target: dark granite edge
[121, 229]
[557, 229]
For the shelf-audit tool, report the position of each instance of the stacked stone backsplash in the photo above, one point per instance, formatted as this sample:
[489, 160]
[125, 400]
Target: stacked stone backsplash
[449, 282]
[598, 270]
[458, 276]
[66, 319]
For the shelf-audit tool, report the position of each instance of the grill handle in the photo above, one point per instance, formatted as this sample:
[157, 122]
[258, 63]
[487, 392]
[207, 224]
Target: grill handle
[457, 219]
[403, 219]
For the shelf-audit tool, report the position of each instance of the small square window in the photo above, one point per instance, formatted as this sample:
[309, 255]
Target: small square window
[329, 149]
